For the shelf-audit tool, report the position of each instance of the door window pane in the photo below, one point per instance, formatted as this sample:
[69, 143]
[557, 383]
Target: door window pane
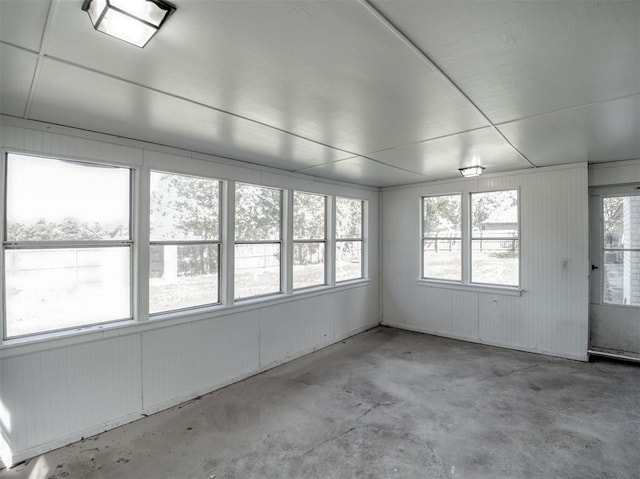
[621, 253]
[59, 200]
[53, 289]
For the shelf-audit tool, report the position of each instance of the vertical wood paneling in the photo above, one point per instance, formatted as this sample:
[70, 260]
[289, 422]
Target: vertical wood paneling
[198, 355]
[550, 316]
[288, 329]
[58, 392]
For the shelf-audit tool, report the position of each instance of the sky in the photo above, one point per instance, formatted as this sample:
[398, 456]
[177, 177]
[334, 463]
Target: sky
[56, 189]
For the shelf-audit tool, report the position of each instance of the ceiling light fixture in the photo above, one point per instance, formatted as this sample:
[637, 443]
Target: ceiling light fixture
[470, 171]
[134, 21]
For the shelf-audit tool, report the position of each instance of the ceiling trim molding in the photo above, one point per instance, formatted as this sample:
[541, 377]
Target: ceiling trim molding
[403, 37]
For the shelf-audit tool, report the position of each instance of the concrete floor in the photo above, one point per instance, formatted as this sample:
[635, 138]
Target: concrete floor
[386, 403]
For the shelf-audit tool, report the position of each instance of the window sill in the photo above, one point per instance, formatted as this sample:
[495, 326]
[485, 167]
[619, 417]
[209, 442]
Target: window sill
[87, 334]
[475, 288]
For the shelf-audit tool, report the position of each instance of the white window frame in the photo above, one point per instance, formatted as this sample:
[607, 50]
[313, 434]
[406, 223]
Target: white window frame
[505, 238]
[280, 242]
[466, 284]
[427, 238]
[322, 241]
[217, 242]
[361, 239]
[67, 244]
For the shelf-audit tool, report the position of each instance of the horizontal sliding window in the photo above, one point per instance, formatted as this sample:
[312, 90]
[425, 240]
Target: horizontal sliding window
[442, 237]
[495, 239]
[184, 252]
[67, 245]
[349, 239]
[309, 239]
[258, 241]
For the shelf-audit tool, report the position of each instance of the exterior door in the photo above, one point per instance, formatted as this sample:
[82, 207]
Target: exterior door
[615, 271]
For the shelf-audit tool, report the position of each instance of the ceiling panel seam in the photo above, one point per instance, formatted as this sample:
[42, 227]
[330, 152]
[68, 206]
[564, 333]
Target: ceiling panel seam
[382, 18]
[39, 62]
[571, 108]
[364, 158]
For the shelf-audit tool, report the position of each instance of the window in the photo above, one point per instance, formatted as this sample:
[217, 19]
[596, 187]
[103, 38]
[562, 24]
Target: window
[258, 241]
[495, 241]
[442, 237]
[349, 238]
[485, 253]
[621, 250]
[67, 245]
[309, 239]
[184, 252]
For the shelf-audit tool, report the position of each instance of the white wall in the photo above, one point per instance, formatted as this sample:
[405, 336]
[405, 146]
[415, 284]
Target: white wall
[64, 386]
[549, 316]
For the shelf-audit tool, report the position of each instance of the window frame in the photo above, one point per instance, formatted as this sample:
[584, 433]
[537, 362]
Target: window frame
[323, 241]
[465, 284]
[218, 243]
[361, 239]
[426, 238]
[7, 245]
[280, 242]
[471, 239]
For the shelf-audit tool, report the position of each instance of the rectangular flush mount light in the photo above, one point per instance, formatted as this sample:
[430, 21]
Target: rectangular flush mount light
[134, 21]
[470, 171]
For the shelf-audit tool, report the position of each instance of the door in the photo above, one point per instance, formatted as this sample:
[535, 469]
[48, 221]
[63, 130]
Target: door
[615, 271]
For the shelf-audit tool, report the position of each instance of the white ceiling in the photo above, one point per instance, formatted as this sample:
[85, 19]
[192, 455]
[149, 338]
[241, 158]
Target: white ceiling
[374, 92]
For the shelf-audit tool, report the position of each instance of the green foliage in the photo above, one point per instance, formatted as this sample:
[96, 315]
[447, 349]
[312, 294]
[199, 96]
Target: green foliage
[442, 215]
[184, 207]
[258, 213]
[70, 229]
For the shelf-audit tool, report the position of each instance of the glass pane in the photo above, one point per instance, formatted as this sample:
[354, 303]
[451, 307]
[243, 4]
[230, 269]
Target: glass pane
[51, 289]
[495, 262]
[182, 276]
[184, 207]
[621, 218]
[257, 269]
[308, 265]
[622, 277]
[443, 259]
[495, 214]
[50, 200]
[257, 213]
[348, 260]
[348, 218]
[442, 216]
[309, 212]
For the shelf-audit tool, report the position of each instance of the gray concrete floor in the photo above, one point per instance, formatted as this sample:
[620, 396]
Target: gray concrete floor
[386, 403]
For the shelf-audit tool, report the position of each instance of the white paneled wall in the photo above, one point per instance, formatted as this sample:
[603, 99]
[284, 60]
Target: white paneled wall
[60, 388]
[551, 313]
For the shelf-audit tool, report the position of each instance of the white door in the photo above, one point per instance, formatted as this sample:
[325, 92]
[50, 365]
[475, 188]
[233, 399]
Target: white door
[615, 271]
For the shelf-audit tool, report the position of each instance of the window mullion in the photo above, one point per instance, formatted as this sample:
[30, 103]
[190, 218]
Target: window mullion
[287, 237]
[228, 246]
[140, 211]
[465, 241]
